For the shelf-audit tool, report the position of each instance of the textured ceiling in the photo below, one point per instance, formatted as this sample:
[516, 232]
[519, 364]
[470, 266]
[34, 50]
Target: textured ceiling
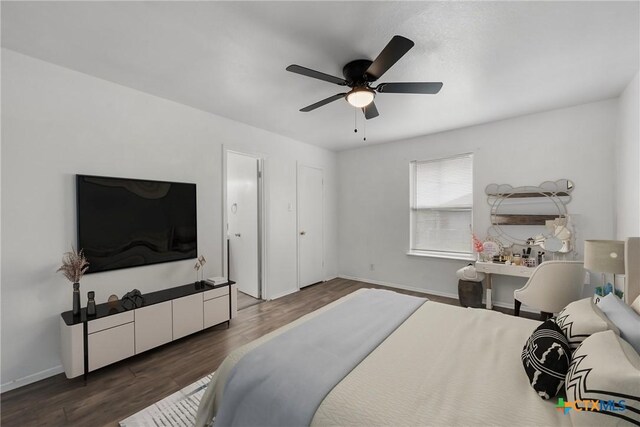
[496, 59]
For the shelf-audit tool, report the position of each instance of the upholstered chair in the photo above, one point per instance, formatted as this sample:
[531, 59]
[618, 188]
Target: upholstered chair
[552, 286]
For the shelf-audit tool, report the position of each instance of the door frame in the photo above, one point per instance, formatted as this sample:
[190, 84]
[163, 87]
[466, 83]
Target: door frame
[298, 166]
[262, 253]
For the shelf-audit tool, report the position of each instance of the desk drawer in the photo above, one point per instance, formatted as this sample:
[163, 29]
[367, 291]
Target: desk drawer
[109, 322]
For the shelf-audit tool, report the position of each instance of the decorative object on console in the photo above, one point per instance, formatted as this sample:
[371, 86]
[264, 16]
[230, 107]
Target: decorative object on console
[546, 357]
[604, 256]
[113, 301]
[200, 262]
[131, 300]
[73, 267]
[91, 303]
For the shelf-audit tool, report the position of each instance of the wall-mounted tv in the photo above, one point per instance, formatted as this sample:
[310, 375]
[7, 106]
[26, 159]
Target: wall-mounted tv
[132, 222]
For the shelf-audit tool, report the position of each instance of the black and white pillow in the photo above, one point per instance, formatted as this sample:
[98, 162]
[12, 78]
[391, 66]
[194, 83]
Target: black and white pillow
[546, 357]
[603, 382]
[581, 319]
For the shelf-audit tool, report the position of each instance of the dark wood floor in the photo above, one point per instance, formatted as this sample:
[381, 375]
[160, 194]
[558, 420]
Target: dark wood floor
[117, 391]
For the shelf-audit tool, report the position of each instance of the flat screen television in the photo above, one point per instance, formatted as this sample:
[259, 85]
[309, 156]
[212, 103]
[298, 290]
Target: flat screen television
[132, 222]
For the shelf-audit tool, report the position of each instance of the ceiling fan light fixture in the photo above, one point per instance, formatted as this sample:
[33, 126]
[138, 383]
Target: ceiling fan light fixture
[360, 97]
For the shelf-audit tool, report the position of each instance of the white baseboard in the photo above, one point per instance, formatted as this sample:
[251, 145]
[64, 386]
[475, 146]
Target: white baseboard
[432, 292]
[20, 382]
[283, 294]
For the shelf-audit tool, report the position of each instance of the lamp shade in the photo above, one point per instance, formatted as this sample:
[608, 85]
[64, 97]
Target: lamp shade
[604, 256]
[360, 97]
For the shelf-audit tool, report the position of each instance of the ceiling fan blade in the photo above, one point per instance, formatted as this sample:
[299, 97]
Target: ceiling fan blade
[316, 74]
[323, 102]
[392, 52]
[424, 87]
[370, 111]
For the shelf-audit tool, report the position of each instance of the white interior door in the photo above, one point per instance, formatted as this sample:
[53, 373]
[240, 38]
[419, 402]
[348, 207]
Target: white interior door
[310, 226]
[242, 222]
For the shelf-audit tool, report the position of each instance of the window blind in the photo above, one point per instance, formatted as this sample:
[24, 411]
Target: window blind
[442, 201]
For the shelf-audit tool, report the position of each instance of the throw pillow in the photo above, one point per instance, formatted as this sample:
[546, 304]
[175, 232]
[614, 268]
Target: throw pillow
[636, 305]
[581, 319]
[603, 382]
[546, 357]
[623, 316]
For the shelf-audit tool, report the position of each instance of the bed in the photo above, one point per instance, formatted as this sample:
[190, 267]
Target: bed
[443, 365]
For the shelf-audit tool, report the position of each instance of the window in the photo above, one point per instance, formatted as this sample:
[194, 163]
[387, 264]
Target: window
[442, 207]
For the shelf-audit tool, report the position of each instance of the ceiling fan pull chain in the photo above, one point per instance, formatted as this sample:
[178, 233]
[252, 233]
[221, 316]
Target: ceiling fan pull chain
[364, 129]
[355, 121]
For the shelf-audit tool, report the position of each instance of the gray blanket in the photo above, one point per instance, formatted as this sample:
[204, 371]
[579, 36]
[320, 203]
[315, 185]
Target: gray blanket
[283, 381]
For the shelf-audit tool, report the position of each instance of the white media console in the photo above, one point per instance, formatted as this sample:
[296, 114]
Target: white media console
[91, 342]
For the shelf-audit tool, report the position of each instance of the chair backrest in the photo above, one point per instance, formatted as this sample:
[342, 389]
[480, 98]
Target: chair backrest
[553, 285]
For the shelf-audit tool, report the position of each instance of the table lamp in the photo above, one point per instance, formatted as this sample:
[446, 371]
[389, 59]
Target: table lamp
[604, 256]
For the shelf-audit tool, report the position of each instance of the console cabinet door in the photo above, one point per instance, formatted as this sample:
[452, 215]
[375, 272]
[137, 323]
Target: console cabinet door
[216, 311]
[187, 315]
[153, 326]
[110, 345]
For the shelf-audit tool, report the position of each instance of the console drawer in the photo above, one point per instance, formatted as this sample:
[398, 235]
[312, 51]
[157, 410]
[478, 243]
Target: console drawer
[109, 322]
[215, 293]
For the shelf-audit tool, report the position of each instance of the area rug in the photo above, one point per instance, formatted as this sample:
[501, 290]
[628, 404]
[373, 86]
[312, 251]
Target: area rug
[178, 409]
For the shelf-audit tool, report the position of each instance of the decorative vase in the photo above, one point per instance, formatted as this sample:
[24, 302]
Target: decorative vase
[91, 303]
[76, 299]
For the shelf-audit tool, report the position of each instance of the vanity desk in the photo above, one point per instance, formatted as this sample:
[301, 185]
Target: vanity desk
[490, 268]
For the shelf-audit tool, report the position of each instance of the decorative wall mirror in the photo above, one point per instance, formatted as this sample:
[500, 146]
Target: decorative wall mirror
[532, 216]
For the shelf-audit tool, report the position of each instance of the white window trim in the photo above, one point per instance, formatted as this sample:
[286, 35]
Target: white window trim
[466, 256]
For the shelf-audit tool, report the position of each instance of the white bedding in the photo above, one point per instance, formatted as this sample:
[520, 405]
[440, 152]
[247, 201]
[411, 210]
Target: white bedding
[444, 365]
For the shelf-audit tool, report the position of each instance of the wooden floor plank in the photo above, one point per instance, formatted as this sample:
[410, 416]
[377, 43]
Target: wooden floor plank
[117, 391]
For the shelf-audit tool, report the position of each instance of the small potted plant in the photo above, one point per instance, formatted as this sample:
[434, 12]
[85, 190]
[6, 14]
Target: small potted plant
[74, 265]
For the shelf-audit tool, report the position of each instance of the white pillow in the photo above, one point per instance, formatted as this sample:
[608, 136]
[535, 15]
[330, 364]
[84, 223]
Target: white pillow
[636, 305]
[582, 318]
[604, 374]
[623, 316]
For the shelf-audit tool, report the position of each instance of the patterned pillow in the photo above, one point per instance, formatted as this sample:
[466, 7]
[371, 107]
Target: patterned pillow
[546, 357]
[583, 318]
[603, 382]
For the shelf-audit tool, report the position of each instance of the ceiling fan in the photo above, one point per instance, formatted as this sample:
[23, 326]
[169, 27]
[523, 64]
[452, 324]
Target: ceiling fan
[359, 74]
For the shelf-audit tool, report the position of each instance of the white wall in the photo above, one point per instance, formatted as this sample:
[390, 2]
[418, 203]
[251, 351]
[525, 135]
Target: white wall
[56, 123]
[373, 204]
[627, 168]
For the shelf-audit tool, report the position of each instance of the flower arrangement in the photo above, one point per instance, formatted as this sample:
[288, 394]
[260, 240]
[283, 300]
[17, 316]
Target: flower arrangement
[478, 246]
[74, 265]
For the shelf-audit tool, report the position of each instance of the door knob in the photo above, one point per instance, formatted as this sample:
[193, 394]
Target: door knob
[302, 233]
[237, 234]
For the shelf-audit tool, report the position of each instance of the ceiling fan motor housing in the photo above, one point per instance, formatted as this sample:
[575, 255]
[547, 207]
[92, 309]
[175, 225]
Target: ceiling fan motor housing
[355, 72]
